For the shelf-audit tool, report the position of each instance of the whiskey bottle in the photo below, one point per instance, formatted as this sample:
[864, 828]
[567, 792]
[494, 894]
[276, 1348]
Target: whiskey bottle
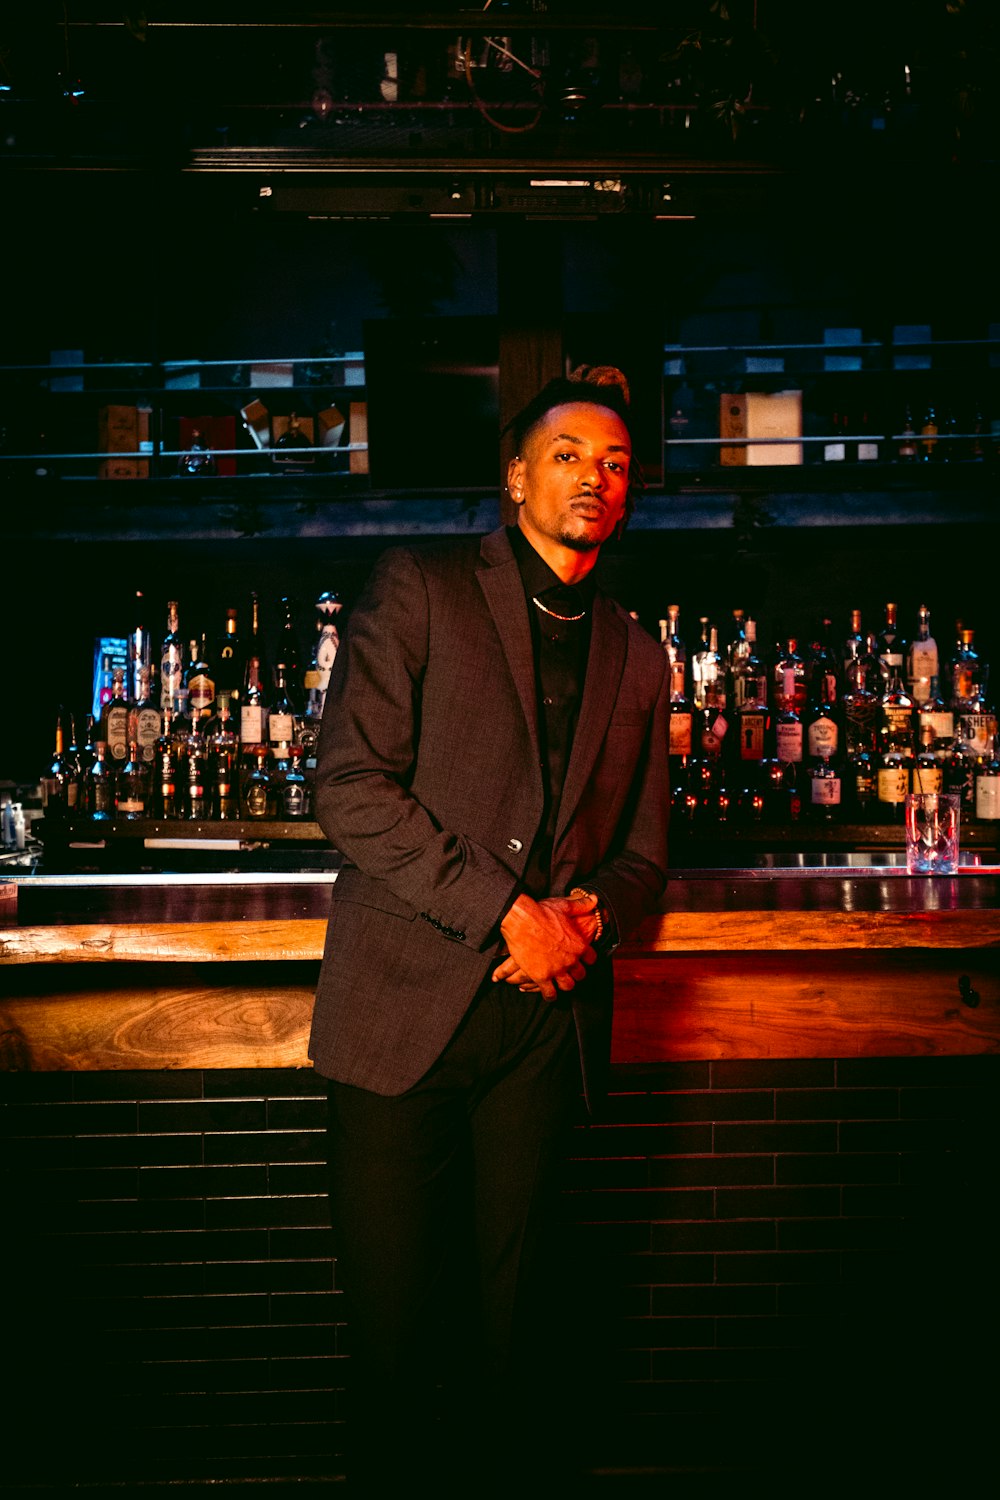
[895, 716]
[281, 718]
[132, 791]
[253, 704]
[789, 677]
[680, 707]
[294, 792]
[257, 798]
[889, 645]
[223, 751]
[114, 719]
[859, 701]
[146, 719]
[99, 785]
[171, 658]
[228, 663]
[199, 679]
[893, 784]
[326, 644]
[906, 452]
[748, 699]
[56, 776]
[165, 801]
[824, 789]
[922, 666]
[139, 651]
[287, 657]
[928, 434]
[987, 793]
[196, 773]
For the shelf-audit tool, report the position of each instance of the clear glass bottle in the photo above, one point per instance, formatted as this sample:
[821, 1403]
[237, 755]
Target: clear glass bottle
[196, 802]
[889, 644]
[257, 797]
[165, 799]
[146, 719]
[922, 661]
[99, 784]
[132, 790]
[171, 658]
[115, 719]
[294, 791]
[987, 787]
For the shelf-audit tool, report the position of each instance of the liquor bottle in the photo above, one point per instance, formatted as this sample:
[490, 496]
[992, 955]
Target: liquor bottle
[788, 737]
[197, 461]
[789, 678]
[98, 784]
[257, 797]
[748, 700]
[253, 702]
[287, 655]
[281, 718]
[171, 658]
[199, 679]
[854, 643]
[868, 443]
[56, 776]
[928, 434]
[736, 646]
[165, 798]
[132, 791]
[139, 650]
[889, 645]
[699, 658]
[821, 732]
[146, 719]
[293, 450]
[835, 448]
[987, 793]
[964, 673]
[107, 682]
[922, 665]
[927, 771]
[906, 452]
[294, 792]
[71, 755]
[824, 789]
[959, 768]
[895, 716]
[893, 784]
[114, 719]
[860, 699]
[676, 653]
[196, 773]
[228, 662]
[681, 723]
[822, 667]
[860, 785]
[326, 643]
[223, 750]
[712, 708]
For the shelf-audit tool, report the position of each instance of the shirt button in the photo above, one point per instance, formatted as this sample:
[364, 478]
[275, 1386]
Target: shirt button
[547, 702]
[515, 846]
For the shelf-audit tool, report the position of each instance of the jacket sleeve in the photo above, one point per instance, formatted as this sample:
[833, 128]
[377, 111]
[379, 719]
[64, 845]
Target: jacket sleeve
[632, 876]
[366, 759]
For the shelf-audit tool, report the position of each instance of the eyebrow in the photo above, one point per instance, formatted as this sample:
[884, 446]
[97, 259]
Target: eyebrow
[567, 437]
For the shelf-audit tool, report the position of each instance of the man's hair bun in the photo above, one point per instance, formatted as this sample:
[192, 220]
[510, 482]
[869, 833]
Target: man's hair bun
[602, 375]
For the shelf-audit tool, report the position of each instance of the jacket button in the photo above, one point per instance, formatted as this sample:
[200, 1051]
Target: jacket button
[515, 846]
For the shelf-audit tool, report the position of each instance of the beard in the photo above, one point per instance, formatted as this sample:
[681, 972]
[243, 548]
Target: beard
[577, 543]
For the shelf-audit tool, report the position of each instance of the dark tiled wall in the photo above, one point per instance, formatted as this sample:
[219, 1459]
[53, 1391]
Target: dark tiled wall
[780, 1266]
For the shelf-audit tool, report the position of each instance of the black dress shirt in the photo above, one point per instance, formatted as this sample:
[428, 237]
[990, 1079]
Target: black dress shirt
[560, 647]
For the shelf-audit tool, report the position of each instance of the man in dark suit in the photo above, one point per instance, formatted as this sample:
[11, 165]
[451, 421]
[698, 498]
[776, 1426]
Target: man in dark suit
[493, 765]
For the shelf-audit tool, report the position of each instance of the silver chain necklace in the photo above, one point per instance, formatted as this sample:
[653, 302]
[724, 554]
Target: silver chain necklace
[545, 610]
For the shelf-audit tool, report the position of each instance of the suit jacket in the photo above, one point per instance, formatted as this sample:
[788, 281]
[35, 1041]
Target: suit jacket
[429, 780]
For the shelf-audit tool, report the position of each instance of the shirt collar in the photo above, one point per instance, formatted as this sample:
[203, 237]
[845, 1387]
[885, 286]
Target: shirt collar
[537, 577]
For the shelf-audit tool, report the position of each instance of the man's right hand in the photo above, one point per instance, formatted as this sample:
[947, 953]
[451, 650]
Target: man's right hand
[549, 943]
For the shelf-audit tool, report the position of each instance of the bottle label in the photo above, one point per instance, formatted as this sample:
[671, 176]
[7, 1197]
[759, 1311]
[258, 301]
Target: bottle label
[147, 732]
[977, 730]
[201, 693]
[988, 797]
[822, 738]
[826, 791]
[893, 784]
[280, 729]
[676, 679]
[867, 452]
[860, 724]
[936, 725]
[170, 675]
[789, 743]
[253, 723]
[927, 778]
[898, 720]
[680, 734]
[752, 727]
[131, 806]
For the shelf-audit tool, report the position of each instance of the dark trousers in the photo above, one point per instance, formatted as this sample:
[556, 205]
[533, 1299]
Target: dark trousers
[442, 1202]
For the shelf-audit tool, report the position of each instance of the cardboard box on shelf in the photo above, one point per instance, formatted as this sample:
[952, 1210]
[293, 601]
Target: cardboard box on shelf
[330, 423]
[257, 421]
[280, 372]
[754, 415]
[118, 438]
[358, 433]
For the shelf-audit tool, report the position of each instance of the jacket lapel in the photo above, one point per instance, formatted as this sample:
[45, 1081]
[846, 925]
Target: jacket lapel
[500, 580]
[605, 665]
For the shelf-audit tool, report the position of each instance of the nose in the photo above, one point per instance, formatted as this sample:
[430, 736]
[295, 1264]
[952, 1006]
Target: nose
[593, 476]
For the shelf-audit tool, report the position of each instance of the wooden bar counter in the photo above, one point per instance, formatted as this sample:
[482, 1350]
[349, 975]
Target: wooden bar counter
[218, 971]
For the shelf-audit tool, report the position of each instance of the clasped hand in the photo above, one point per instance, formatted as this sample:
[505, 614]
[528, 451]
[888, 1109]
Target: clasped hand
[549, 943]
